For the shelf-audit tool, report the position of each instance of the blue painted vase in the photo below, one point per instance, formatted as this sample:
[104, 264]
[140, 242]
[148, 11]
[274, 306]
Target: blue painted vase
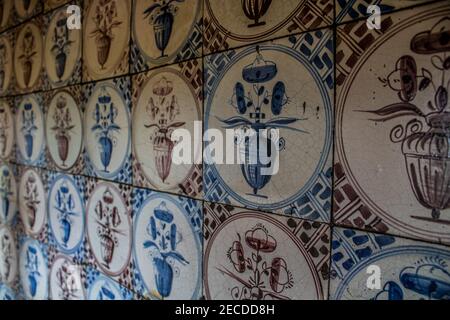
[33, 284]
[163, 30]
[106, 146]
[5, 206]
[66, 229]
[60, 64]
[163, 276]
[29, 144]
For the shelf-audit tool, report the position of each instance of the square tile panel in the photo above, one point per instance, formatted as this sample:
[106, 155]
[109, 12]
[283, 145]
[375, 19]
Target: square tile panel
[64, 130]
[7, 132]
[392, 164]
[406, 269]
[62, 50]
[109, 229]
[166, 101]
[32, 202]
[29, 56]
[283, 90]
[165, 32]
[33, 269]
[233, 23]
[30, 130]
[251, 255]
[6, 63]
[8, 194]
[9, 263]
[106, 37]
[167, 246]
[347, 10]
[107, 129]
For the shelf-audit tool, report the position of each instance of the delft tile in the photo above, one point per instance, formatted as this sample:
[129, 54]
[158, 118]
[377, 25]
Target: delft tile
[9, 262]
[30, 130]
[6, 63]
[52, 4]
[230, 24]
[32, 203]
[409, 270]
[7, 132]
[33, 269]
[8, 194]
[100, 287]
[106, 38]
[64, 130]
[107, 130]
[287, 257]
[165, 32]
[109, 229]
[347, 10]
[164, 100]
[167, 246]
[62, 51]
[29, 57]
[6, 16]
[392, 132]
[287, 85]
[65, 282]
[24, 9]
[66, 216]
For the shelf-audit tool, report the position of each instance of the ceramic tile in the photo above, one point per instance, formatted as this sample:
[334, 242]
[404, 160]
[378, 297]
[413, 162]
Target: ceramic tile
[30, 130]
[6, 16]
[257, 256]
[286, 85]
[100, 287]
[409, 270]
[65, 281]
[64, 130]
[347, 10]
[165, 32]
[62, 50]
[7, 293]
[33, 270]
[165, 100]
[66, 215]
[8, 194]
[107, 131]
[32, 202]
[28, 56]
[167, 246]
[7, 134]
[106, 36]
[24, 9]
[9, 268]
[229, 24]
[392, 139]
[109, 229]
[6, 63]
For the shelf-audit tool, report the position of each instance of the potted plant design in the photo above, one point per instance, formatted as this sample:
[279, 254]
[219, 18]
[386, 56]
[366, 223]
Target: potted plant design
[32, 266]
[163, 109]
[105, 114]
[267, 280]
[28, 128]
[4, 126]
[28, 47]
[255, 9]
[257, 75]
[105, 20]
[5, 191]
[65, 205]
[3, 63]
[63, 126]
[161, 15]
[67, 281]
[61, 44]
[7, 259]
[31, 198]
[164, 239]
[426, 152]
[108, 220]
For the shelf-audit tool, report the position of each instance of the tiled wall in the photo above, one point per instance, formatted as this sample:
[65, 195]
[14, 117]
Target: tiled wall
[93, 208]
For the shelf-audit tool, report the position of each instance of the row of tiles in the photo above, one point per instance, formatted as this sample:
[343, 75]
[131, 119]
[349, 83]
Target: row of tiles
[46, 52]
[389, 128]
[93, 239]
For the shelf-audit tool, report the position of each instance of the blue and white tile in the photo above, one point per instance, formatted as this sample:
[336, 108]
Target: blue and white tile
[8, 194]
[30, 130]
[65, 282]
[167, 246]
[33, 269]
[383, 267]
[7, 132]
[107, 130]
[9, 258]
[100, 287]
[287, 85]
